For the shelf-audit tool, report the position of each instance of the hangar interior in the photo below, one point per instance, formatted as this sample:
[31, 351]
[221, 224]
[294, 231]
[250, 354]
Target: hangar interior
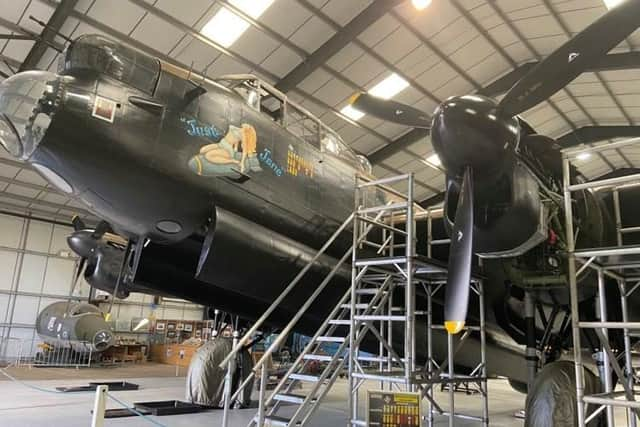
[172, 171]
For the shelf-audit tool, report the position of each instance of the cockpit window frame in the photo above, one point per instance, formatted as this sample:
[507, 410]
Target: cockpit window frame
[309, 128]
[100, 55]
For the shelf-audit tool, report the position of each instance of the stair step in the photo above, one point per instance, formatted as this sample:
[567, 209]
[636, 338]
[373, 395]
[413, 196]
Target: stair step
[290, 397]
[389, 207]
[318, 357]
[304, 377]
[376, 359]
[372, 359]
[381, 261]
[274, 420]
[331, 339]
[346, 322]
[361, 306]
[380, 317]
[368, 291]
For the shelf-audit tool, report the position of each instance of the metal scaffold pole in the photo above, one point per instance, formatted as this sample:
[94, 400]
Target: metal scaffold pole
[410, 299]
[573, 290]
[613, 263]
[605, 374]
[429, 290]
[483, 357]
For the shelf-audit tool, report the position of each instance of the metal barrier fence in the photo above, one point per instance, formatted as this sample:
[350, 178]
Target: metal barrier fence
[35, 352]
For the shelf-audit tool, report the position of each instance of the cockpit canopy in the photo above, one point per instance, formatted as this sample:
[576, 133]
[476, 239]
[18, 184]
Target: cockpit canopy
[263, 97]
[96, 53]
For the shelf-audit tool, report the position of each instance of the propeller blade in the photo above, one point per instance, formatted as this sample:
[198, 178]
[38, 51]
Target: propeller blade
[81, 266]
[390, 111]
[573, 58]
[460, 256]
[77, 223]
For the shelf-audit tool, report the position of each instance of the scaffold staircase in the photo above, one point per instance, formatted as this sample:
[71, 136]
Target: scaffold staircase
[376, 311]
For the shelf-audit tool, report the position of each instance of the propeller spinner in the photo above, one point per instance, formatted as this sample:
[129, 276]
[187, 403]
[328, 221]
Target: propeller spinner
[475, 137]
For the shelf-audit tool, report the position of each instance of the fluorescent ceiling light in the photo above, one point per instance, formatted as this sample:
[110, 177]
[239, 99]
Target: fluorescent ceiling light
[583, 156]
[612, 3]
[352, 113]
[434, 159]
[420, 4]
[226, 27]
[389, 87]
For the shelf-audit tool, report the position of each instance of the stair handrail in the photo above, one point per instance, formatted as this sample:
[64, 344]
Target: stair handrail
[283, 334]
[303, 309]
[249, 334]
[311, 343]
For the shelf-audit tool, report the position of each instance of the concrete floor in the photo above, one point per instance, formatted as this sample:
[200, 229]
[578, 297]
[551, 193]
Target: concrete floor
[23, 406]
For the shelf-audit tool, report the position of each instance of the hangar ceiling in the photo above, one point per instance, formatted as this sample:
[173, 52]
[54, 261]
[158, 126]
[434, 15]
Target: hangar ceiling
[322, 51]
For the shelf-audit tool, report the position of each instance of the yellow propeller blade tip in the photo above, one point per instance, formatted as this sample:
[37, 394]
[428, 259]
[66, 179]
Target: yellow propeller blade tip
[454, 326]
[353, 98]
[107, 316]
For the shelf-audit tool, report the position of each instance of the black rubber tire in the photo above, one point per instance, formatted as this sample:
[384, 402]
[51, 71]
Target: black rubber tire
[552, 400]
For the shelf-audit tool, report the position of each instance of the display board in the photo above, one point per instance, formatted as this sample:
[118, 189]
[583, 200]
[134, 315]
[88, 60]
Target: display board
[393, 409]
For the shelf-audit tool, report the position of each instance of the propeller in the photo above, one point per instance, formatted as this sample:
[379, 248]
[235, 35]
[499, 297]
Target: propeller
[553, 73]
[83, 241]
[390, 111]
[456, 299]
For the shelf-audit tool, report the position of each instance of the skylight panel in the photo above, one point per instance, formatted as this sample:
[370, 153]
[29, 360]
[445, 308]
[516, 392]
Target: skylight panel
[226, 26]
[434, 159]
[389, 87]
[612, 3]
[352, 113]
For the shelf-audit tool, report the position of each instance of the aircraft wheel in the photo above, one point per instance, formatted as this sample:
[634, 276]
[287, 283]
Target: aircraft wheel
[552, 400]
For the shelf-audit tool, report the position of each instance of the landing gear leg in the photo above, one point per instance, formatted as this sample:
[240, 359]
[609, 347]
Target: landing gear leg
[531, 353]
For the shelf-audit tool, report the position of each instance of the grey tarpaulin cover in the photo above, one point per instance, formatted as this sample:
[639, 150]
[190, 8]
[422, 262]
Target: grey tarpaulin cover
[552, 400]
[205, 380]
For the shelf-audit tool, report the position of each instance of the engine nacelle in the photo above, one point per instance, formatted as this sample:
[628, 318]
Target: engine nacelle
[509, 218]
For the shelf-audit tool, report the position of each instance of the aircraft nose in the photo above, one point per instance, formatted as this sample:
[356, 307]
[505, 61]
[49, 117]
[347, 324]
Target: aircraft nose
[28, 101]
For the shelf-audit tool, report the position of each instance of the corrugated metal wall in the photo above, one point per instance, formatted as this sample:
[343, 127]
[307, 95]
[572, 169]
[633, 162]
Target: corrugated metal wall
[37, 269]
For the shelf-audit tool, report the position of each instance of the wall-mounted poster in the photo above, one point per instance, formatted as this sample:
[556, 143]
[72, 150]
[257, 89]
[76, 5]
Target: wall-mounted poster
[180, 327]
[188, 327]
[171, 326]
[199, 333]
[160, 326]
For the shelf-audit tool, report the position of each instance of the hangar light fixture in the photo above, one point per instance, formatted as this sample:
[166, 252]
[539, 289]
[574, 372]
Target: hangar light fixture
[141, 323]
[226, 27]
[352, 113]
[420, 4]
[389, 87]
[583, 156]
[612, 3]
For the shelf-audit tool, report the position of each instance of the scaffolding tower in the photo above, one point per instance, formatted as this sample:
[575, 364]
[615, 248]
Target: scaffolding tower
[374, 323]
[620, 263]
[397, 263]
